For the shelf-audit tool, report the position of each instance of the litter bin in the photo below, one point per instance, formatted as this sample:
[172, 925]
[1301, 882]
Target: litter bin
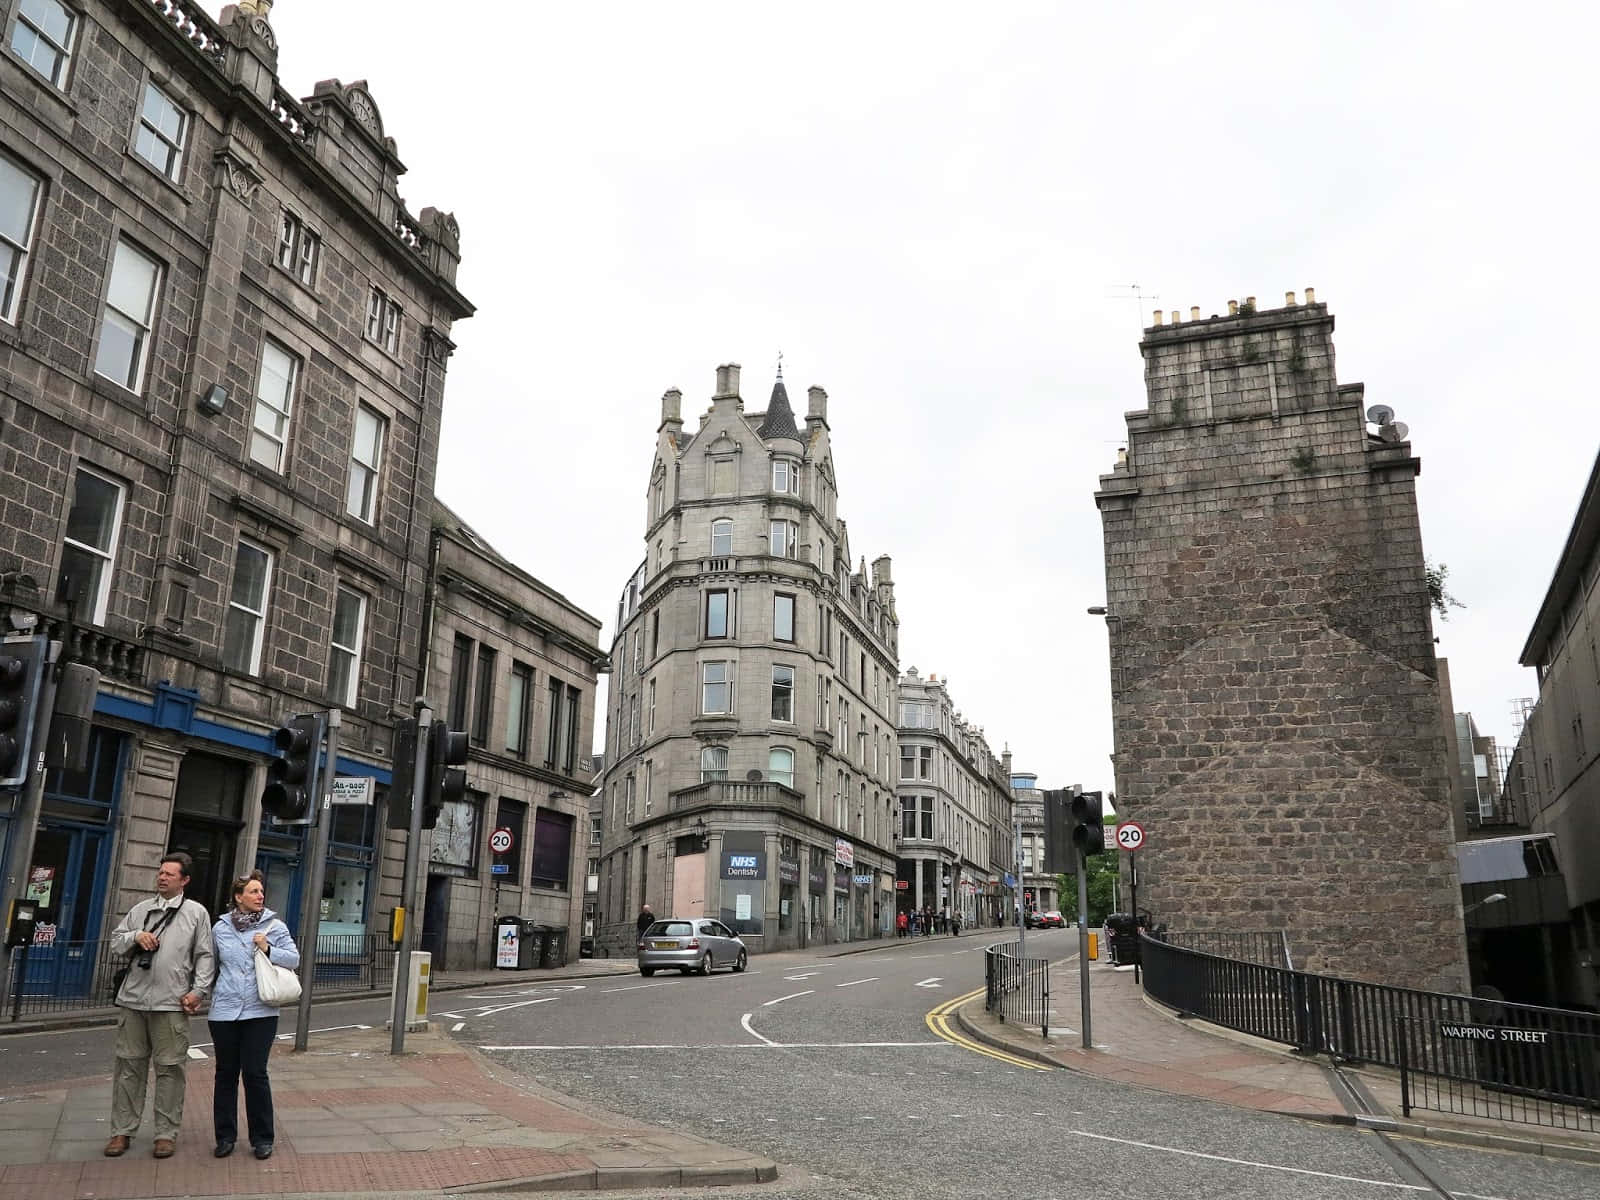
[552, 946]
[1123, 934]
[527, 945]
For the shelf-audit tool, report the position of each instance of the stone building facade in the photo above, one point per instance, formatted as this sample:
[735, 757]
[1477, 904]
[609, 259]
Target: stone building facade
[1274, 686]
[1040, 890]
[516, 664]
[951, 801]
[223, 343]
[750, 725]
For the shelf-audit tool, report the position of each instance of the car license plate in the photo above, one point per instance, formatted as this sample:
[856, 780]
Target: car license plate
[664, 945]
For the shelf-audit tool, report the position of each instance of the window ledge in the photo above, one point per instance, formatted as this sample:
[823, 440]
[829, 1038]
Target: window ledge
[129, 154]
[266, 513]
[42, 85]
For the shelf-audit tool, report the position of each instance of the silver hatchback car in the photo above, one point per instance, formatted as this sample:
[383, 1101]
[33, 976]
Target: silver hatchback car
[690, 944]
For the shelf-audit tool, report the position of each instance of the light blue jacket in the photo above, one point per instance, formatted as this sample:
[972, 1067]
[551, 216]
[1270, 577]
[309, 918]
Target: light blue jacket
[235, 997]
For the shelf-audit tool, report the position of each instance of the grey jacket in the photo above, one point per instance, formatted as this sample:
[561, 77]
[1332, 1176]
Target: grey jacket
[183, 962]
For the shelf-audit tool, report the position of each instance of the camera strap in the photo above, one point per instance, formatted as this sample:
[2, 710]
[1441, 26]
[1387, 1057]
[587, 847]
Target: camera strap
[161, 923]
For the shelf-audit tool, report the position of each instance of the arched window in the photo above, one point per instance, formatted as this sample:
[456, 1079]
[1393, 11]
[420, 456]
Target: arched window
[713, 764]
[780, 766]
[721, 538]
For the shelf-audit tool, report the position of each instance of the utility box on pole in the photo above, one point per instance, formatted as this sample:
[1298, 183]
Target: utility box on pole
[415, 982]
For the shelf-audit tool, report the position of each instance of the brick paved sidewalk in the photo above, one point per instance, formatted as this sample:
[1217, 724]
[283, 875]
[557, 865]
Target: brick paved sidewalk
[1137, 1041]
[351, 1118]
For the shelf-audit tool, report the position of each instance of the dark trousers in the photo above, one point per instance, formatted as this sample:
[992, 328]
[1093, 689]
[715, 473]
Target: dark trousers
[242, 1048]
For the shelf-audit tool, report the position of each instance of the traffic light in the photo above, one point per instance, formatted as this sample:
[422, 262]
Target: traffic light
[289, 797]
[447, 778]
[1089, 832]
[22, 668]
[401, 768]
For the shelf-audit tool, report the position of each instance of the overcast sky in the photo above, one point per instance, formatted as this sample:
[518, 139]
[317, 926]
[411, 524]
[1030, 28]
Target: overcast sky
[940, 213]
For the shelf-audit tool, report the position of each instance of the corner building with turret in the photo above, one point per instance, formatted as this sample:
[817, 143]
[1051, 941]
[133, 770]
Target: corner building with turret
[1274, 686]
[750, 727]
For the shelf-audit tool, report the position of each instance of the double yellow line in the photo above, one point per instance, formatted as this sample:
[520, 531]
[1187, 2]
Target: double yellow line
[939, 1021]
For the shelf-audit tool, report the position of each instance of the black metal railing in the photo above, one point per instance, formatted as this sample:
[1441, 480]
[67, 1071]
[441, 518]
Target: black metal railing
[1457, 1054]
[1016, 988]
[64, 977]
[1265, 947]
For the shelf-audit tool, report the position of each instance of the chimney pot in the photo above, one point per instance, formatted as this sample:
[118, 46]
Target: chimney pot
[1175, 317]
[1158, 316]
[1233, 308]
[1288, 299]
[1251, 301]
[1311, 295]
[1194, 312]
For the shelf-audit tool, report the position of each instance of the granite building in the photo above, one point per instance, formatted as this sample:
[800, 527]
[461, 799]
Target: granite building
[223, 344]
[1274, 685]
[750, 725]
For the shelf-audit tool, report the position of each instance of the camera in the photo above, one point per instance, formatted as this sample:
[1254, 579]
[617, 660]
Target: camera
[145, 958]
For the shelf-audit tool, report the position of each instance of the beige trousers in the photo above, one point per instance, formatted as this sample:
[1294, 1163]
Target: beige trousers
[142, 1036]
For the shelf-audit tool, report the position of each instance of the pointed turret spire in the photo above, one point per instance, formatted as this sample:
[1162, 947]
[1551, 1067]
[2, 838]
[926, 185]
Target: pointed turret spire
[778, 421]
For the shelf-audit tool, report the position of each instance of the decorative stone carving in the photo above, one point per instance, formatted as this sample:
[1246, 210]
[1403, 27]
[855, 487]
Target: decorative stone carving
[239, 175]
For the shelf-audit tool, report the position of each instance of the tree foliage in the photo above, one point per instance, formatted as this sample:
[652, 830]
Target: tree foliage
[1438, 592]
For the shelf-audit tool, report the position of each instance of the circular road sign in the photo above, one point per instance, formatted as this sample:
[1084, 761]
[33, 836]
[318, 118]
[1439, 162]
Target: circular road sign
[500, 840]
[1130, 835]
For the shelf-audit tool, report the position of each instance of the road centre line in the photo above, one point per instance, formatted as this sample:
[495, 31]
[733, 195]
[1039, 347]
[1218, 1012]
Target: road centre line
[761, 1045]
[853, 982]
[790, 996]
[1247, 1162]
[636, 986]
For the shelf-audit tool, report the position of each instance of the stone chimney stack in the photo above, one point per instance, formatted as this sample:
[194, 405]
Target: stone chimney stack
[816, 407]
[727, 382]
[880, 572]
[671, 412]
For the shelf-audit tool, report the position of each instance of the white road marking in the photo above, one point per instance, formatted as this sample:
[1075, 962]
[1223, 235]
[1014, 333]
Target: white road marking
[931, 982]
[635, 987]
[748, 1028]
[926, 956]
[1246, 1162]
[500, 1008]
[763, 1044]
[798, 978]
[853, 982]
[790, 996]
[458, 1026]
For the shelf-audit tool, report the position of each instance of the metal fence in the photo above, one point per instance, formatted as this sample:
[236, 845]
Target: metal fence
[75, 976]
[1265, 947]
[1456, 1054]
[1016, 988]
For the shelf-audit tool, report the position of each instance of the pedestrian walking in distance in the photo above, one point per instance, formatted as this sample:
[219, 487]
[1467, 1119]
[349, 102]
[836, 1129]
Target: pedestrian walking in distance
[645, 919]
[242, 1026]
[167, 940]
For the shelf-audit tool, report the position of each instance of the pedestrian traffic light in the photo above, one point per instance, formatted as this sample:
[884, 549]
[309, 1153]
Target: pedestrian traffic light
[402, 767]
[1089, 832]
[447, 777]
[22, 668]
[292, 777]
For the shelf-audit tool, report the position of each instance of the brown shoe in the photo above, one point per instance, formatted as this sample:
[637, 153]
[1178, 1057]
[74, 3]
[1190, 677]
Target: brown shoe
[165, 1148]
[117, 1146]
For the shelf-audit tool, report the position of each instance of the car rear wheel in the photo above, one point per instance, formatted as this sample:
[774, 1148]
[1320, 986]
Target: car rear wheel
[705, 964]
[740, 962]
[647, 971]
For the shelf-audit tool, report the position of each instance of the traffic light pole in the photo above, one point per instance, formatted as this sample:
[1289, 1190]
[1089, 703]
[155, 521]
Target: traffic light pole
[408, 933]
[311, 903]
[26, 823]
[1083, 947]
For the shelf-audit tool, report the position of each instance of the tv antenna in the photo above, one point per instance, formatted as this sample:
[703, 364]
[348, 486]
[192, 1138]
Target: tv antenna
[1138, 294]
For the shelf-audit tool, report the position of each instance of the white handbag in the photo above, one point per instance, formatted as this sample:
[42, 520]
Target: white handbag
[275, 985]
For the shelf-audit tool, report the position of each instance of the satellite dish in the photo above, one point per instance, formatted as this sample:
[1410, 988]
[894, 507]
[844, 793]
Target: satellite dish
[1380, 414]
[753, 775]
[1395, 431]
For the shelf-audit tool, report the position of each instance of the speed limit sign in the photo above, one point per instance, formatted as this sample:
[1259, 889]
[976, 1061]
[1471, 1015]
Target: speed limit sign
[500, 840]
[1130, 835]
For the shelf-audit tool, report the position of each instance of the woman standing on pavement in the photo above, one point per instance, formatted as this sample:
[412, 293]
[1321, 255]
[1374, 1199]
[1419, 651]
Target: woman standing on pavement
[242, 1027]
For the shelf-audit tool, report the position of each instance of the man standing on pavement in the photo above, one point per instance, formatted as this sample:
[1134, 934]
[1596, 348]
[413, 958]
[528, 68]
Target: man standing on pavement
[171, 969]
[645, 919]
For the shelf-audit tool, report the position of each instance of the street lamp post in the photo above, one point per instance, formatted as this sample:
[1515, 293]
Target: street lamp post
[1493, 898]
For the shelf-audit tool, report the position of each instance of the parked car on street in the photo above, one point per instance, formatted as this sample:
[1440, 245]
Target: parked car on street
[1050, 920]
[690, 944]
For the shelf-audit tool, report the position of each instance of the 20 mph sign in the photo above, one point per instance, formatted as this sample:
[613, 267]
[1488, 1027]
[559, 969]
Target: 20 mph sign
[500, 840]
[1130, 835]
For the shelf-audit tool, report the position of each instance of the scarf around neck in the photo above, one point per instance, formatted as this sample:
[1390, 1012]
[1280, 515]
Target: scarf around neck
[243, 921]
